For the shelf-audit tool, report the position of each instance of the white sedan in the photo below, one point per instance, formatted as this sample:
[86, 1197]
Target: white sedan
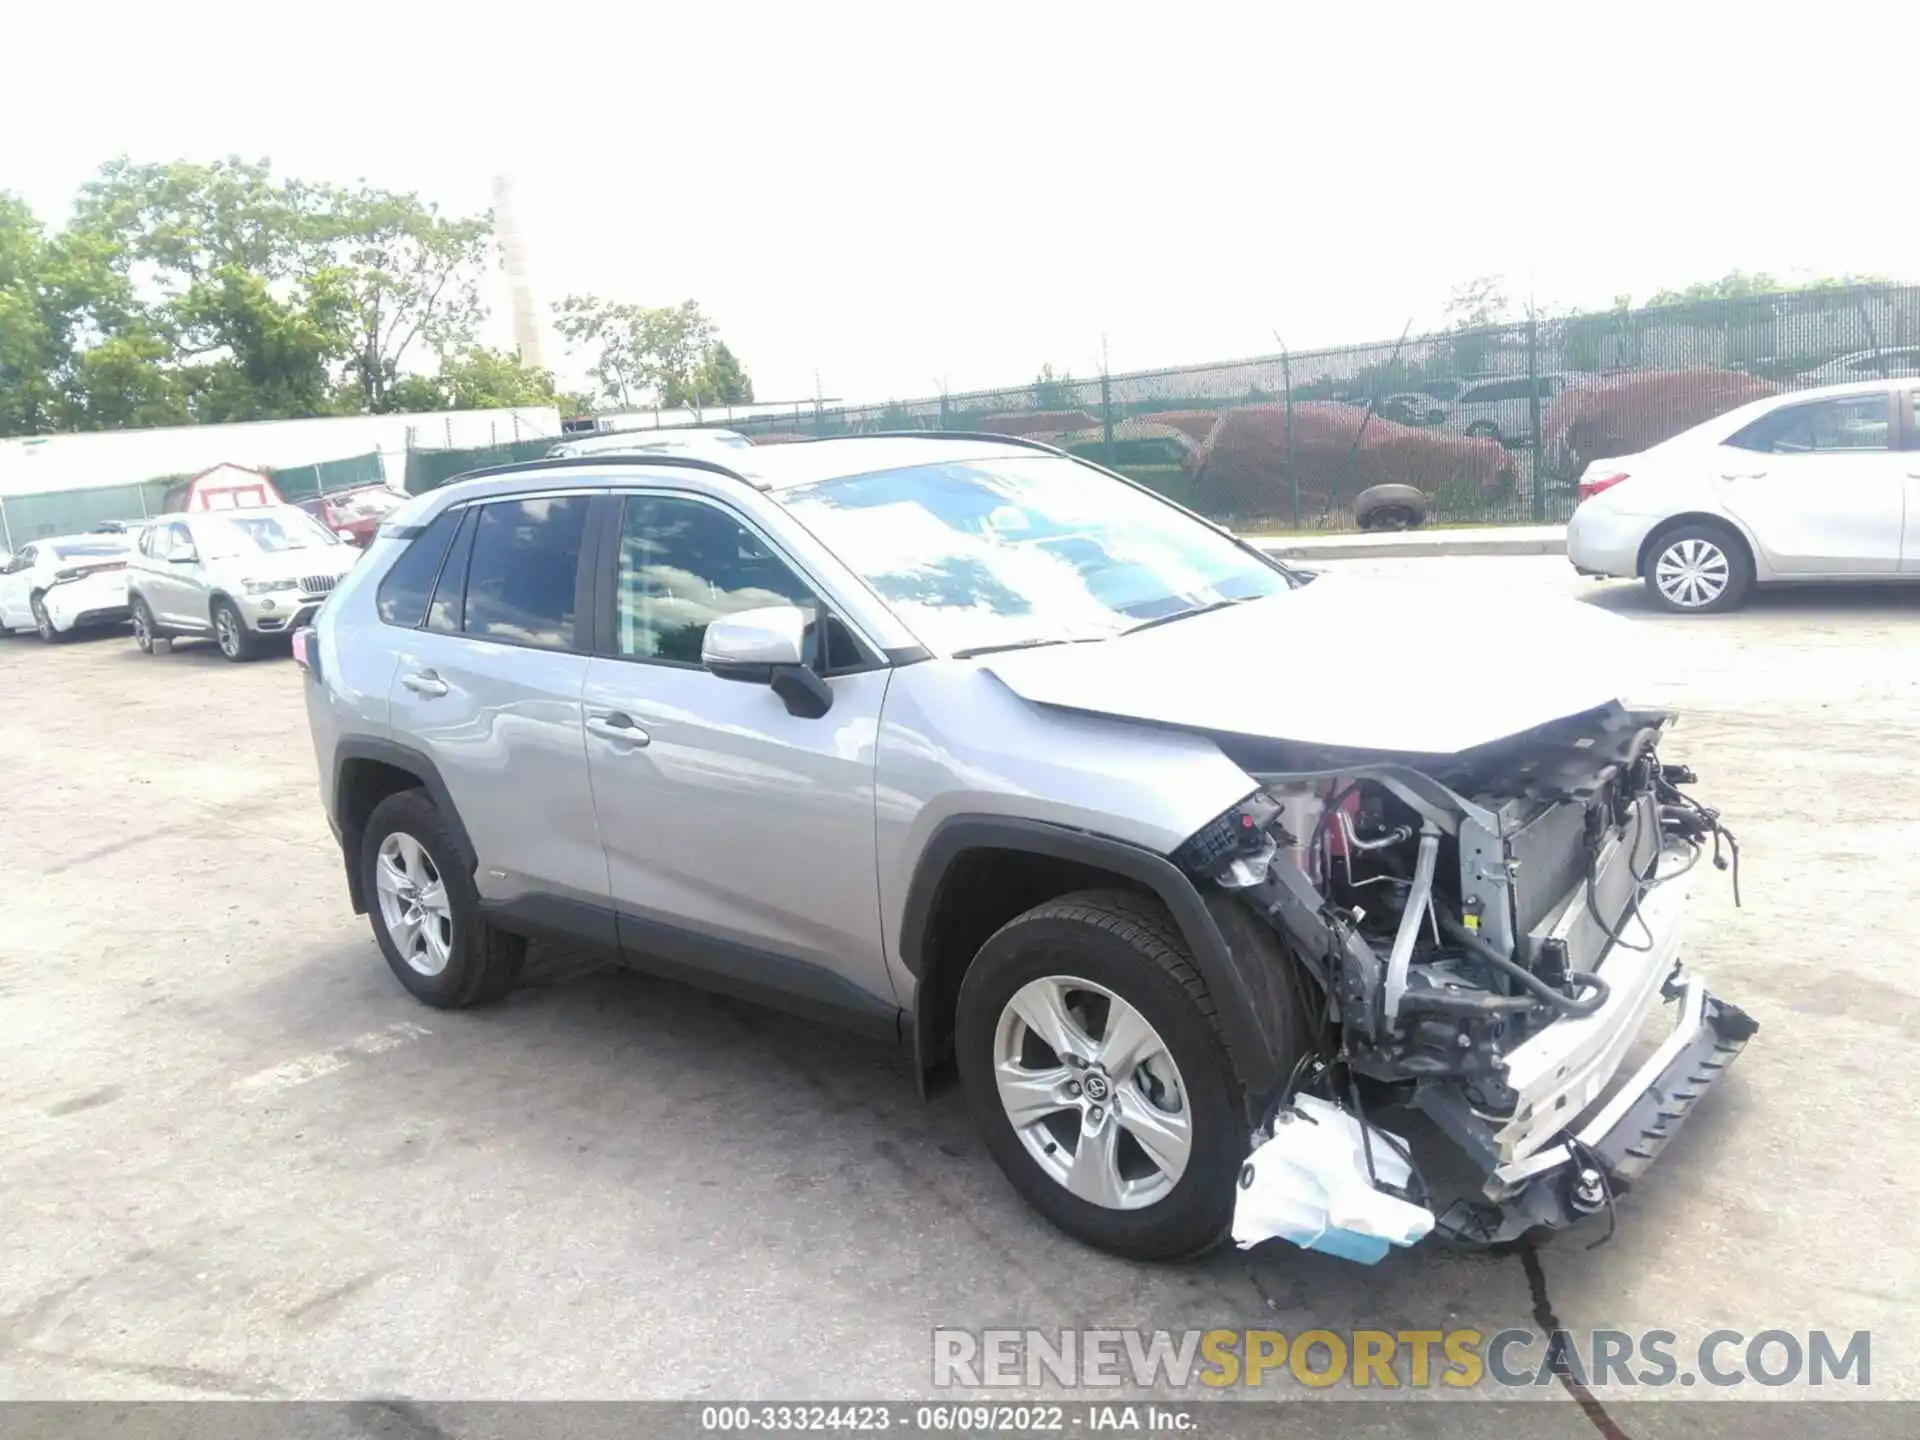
[65, 583]
[1810, 485]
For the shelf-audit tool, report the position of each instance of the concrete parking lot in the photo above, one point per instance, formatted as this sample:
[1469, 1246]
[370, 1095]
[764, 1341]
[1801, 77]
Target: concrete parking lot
[237, 1159]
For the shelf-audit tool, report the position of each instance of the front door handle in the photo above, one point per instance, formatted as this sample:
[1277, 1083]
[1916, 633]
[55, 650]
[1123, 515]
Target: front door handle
[425, 683]
[616, 725]
[1744, 475]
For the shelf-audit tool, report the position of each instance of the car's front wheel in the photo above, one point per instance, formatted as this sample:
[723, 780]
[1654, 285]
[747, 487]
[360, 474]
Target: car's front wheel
[426, 911]
[1095, 1068]
[1699, 568]
[230, 632]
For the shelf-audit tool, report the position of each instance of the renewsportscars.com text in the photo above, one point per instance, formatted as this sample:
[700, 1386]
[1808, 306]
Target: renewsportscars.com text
[1396, 1359]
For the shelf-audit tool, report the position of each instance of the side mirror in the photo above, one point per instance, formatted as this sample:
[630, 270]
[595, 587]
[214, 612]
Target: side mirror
[767, 647]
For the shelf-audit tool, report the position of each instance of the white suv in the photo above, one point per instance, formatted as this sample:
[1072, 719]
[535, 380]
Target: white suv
[234, 575]
[1501, 408]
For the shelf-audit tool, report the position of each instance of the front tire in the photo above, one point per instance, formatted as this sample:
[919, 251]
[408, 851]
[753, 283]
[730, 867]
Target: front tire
[230, 633]
[1094, 1066]
[426, 911]
[1699, 568]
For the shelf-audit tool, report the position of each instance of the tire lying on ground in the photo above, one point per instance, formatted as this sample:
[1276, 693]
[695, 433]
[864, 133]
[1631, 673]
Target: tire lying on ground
[1390, 507]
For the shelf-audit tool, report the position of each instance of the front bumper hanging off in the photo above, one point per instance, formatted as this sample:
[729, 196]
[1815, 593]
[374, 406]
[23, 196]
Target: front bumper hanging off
[1574, 1140]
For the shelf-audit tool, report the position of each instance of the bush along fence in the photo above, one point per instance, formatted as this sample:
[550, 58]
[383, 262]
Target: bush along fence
[1493, 424]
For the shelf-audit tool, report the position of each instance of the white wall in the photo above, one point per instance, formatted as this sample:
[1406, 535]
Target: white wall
[124, 457]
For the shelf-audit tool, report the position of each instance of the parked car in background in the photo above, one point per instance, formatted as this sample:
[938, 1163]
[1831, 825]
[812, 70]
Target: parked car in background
[1887, 364]
[237, 576]
[63, 584]
[1808, 485]
[354, 515]
[1502, 408]
[725, 445]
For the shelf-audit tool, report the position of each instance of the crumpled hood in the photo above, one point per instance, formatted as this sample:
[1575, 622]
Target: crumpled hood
[1355, 661]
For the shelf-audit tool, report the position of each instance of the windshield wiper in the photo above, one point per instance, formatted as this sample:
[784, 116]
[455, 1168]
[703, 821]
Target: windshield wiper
[1186, 614]
[973, 650]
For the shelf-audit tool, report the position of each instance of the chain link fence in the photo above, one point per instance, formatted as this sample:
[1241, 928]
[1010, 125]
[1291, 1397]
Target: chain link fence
[1493, 425]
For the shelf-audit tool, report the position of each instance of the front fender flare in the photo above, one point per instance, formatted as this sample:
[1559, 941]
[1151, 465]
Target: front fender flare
[1251, 1050]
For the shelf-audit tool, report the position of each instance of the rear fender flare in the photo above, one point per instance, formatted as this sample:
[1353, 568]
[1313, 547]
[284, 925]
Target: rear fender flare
[413, 762]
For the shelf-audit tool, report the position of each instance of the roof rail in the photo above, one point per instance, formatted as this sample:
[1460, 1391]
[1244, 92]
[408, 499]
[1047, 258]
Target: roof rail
[1024, 442]
[588, 462]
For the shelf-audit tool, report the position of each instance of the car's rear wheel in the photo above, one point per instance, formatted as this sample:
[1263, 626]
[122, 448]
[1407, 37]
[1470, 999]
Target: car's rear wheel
[230, 632]
[43, 622]
[145, 633]
[1094, 1066]
[1698, 568]
[426, 911]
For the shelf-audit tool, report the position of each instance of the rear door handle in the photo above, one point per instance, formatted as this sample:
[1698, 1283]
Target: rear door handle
[425, 683]
[616, 725]
[1744, 475]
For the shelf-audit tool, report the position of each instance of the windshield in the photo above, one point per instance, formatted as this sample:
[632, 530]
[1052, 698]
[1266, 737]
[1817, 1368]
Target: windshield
[1016, 550]
[241, 532]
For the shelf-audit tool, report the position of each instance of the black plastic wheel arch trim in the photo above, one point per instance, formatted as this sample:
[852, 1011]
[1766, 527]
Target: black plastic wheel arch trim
[413, 762]
[1252, 1049]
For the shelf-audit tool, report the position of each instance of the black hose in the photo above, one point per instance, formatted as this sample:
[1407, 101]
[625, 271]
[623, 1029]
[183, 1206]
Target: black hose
[1567, 1005]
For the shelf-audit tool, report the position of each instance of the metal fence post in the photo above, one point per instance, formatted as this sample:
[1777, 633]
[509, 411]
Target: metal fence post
[1538, 485]
[1106, 418]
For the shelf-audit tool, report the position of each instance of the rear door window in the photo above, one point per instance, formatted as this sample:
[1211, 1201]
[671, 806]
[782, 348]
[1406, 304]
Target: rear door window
[402, 596]
[523, 580]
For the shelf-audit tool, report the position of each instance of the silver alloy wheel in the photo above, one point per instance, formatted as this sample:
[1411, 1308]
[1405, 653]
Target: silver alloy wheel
[413, 903]
[142, 631]
[42, 621]
[1104, 1114]
[226, 631]
[1692, 572]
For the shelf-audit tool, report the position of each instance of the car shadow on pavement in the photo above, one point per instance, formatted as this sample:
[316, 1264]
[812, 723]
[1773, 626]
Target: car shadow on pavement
[1891, 597]
[613, 1071]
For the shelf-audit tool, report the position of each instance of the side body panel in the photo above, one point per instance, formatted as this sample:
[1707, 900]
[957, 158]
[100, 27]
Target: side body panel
[955, 741]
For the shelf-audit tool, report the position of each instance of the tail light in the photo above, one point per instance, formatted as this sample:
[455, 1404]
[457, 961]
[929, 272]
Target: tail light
[1587, 489]
[306, 650]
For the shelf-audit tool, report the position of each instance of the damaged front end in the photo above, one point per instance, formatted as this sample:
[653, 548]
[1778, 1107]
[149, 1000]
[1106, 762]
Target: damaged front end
[1486, 933]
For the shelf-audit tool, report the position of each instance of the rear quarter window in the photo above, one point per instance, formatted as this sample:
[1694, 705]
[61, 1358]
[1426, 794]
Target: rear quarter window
[402, 596]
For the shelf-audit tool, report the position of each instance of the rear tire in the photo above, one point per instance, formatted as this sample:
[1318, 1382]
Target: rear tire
[1078, 963]
[146, 634]
[1699, 568]
[448, 957]
[43, 622]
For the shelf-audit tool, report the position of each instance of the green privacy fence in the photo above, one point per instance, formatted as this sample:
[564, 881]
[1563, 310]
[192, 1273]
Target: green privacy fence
[430, 469]
[1492, 423]
[67, 512]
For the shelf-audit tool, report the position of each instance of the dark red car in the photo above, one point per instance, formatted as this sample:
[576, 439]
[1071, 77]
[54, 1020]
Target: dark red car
[354, 514]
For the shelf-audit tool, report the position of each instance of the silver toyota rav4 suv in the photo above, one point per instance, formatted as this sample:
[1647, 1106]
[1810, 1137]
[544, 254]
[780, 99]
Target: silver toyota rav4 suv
[1198, 874]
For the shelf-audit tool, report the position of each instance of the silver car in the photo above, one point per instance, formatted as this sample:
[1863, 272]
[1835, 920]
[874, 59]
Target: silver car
[1196, 872]
[237, 576]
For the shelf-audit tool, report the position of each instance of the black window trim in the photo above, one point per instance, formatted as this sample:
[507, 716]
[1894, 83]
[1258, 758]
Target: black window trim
[606, 583]
[583, 575]
[458, 514]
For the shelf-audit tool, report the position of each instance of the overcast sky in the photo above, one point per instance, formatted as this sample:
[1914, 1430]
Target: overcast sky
[903, 195]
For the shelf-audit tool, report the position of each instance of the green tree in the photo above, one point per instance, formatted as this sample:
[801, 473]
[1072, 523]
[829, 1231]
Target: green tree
[475, 378]
[1054, 392]
[668, 356]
